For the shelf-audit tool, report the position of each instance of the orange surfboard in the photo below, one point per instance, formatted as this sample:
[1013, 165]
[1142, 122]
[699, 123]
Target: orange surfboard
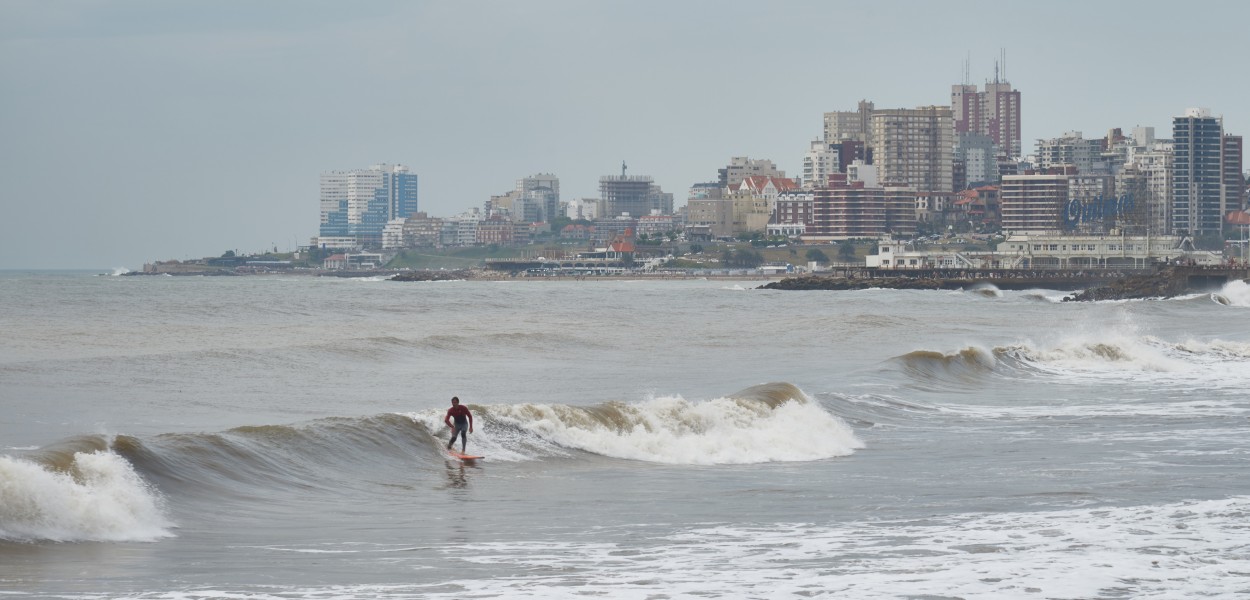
[463, 456]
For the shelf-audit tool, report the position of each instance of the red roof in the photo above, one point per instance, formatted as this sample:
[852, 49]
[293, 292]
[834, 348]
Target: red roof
[619, 245]
[759, 182]
[1239, 217]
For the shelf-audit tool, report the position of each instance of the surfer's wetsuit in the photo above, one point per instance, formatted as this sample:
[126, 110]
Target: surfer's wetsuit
[463, 418]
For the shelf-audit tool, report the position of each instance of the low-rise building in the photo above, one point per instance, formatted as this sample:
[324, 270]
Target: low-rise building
[1044, 250]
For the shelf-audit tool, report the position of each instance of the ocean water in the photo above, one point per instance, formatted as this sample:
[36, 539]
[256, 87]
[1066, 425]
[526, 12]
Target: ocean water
[280, 437]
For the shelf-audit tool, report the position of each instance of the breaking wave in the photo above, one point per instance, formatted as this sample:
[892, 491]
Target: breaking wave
[773, 422]
[79, 496]
[1117, 356]
[105, 488]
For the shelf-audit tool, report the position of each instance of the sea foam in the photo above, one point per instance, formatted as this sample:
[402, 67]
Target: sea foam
[100, 498]
[674, 430]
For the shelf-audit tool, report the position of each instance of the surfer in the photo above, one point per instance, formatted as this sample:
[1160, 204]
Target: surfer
[463, 425]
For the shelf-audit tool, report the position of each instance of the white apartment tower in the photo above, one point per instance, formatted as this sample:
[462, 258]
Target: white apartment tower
[819, 163]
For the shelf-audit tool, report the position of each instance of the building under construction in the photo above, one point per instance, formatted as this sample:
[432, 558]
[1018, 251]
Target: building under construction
[625, 194]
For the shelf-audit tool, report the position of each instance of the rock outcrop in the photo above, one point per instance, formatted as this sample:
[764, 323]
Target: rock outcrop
[819, 282]
[457, 275]
[1163, 284]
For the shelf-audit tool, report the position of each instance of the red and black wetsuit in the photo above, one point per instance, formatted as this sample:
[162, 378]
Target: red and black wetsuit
[464, 419]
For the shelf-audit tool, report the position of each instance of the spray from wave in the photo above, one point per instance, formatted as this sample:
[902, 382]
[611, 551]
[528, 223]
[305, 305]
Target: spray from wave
[96, 497]
[1234, 293]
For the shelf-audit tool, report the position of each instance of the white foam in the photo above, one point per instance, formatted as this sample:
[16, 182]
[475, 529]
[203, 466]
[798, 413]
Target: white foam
[1236, 292]
[101, 499]
[1185, 549]
[1142, 360]
[676, 431]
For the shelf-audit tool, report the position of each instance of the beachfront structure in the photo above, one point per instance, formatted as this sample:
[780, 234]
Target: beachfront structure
[359, 203]
[914, 147]
[1044, 250]
[851, 209]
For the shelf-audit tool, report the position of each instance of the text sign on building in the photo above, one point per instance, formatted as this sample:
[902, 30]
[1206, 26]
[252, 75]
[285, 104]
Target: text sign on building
[1097, 208]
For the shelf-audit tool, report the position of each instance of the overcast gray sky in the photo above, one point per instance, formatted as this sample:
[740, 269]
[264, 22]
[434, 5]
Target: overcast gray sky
[141, 130]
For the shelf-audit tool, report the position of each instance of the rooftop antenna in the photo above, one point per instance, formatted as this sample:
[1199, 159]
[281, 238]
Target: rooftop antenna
[622, 169]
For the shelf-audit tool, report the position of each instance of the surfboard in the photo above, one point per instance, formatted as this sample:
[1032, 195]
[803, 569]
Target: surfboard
[463, 456]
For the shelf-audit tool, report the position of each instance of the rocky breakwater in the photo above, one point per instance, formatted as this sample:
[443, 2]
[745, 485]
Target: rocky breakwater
[1165, 283]
[457, 275]
[821, 282]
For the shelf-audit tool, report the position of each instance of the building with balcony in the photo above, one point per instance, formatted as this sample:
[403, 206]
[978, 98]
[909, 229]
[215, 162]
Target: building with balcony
[1034, 202]
[852, 210]
[914, 147]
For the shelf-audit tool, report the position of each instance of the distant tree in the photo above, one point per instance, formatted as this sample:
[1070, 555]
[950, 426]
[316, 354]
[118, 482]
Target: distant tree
[817, 255]
[742, 258]
[696, 248]
[846, 250]
[228, 254]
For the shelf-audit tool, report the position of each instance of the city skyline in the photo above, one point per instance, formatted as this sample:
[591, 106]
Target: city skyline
[140, 131]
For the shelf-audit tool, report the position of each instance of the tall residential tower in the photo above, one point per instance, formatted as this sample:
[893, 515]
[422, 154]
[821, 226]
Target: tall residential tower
[994, 112]
[358, 204]
[1199, 200]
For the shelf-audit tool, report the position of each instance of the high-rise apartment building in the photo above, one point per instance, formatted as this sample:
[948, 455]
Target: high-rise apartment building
[979, 156]
[842, 126]
[543, 191]
[359, 203]
[914, 147]
[1033, 202]
[1231, 157]
[1072, 149]
[819, 163]
[1147, 182]
[994, 112]
[1199, 202]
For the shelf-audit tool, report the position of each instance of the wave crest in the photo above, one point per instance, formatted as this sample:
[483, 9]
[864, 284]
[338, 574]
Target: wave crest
[97, 497]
